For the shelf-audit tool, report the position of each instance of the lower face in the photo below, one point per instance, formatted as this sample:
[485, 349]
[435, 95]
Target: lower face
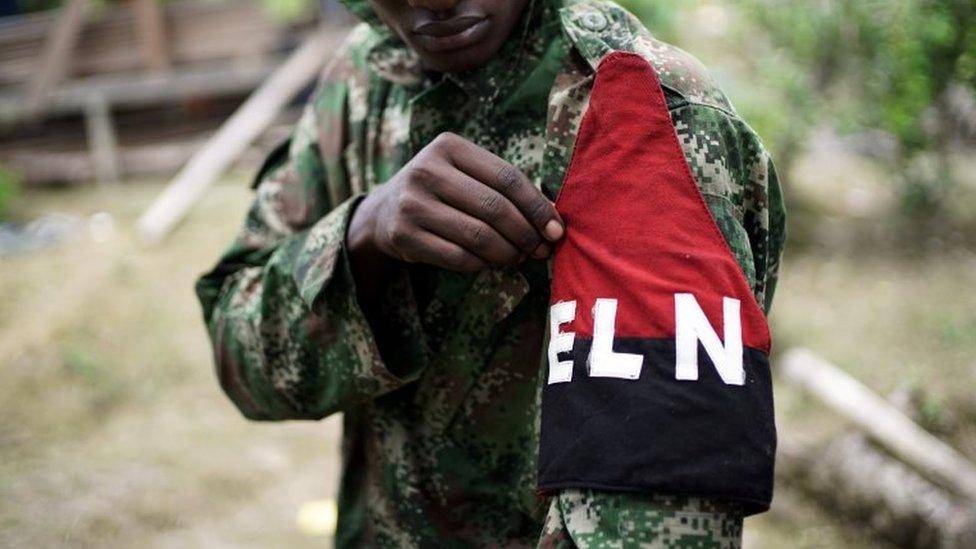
[462, 37]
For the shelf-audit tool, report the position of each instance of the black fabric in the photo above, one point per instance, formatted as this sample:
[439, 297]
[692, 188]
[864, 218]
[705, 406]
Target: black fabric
[657, 434]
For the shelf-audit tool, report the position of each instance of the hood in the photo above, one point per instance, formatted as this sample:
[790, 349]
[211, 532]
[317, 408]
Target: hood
[363, 10]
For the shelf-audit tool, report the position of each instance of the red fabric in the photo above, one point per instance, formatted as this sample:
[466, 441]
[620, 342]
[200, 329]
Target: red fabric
[637, 227]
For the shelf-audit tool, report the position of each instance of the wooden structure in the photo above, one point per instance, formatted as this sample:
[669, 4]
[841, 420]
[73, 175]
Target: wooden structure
[90, 61]
[123, 38]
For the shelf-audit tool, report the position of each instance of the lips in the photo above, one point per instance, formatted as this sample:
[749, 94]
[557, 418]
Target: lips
[451, 34]
[447, 27]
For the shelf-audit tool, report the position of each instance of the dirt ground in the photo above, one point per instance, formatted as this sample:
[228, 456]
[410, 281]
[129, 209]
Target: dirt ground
[113, 431]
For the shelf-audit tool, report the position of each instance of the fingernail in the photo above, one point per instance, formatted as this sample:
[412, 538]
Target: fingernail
[541, 252]
[553, 230]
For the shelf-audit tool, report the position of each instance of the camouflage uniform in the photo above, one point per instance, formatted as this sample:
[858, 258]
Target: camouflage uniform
[440, 393]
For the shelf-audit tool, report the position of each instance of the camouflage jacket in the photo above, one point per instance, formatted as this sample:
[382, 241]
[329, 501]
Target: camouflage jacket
[440, 396]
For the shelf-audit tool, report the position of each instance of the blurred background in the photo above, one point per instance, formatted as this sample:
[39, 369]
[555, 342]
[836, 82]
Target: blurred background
[113, 431]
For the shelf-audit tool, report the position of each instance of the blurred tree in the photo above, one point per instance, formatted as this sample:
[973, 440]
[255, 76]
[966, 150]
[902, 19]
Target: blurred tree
[9, 187]
[659, 17]
[877, 64]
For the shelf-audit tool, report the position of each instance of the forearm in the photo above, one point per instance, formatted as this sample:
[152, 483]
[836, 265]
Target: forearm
[290, 338]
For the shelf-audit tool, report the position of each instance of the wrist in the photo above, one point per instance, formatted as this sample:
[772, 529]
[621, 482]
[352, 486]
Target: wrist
[369, 263]
[361, 234]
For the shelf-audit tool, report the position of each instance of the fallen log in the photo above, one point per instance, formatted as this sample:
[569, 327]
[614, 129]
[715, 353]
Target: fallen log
[868, 489]
[882, 421]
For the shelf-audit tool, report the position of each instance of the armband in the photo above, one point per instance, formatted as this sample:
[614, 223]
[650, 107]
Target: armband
[658, 377]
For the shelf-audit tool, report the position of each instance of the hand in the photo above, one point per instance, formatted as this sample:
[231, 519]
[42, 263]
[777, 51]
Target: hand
[455, 206]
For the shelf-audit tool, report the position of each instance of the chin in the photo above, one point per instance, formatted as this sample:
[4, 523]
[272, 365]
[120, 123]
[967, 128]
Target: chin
[460, 61]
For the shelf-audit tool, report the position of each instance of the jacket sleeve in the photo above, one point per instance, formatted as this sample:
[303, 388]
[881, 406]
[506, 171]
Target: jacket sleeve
[588, 518]
[738, 180]
[738, 183]
[290, 339]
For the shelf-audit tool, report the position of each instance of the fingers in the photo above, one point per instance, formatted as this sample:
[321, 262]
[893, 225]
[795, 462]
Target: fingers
[429, 248]
[460, 207]
[472, 234]
[508, 181]
[482, 202]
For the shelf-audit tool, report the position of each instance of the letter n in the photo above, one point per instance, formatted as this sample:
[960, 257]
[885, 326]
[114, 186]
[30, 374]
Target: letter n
[692, 326]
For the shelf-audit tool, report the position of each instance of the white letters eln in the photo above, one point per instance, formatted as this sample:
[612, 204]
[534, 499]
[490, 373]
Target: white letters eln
[691, 327]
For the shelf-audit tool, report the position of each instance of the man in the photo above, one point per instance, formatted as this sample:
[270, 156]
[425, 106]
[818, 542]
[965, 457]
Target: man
[394, 267]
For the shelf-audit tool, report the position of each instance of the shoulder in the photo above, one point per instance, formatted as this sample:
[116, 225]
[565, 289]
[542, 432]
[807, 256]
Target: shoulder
[342, 92]
[596, 28]
[369, 55]
[352, 59]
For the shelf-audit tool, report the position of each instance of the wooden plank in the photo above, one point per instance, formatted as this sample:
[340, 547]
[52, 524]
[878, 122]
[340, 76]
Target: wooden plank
[882, 421]
[142, 90]
[152, 34]
[102, 142]
[233, 137]
[195, 33]
[157, 150]
[43, 166]
[57, 52]
[110, 42]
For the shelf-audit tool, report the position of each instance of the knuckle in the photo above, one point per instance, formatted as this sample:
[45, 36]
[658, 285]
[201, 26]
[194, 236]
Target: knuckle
[479, 238]
[410, 204]
[444, 139]
[420, 173]
[507, 178]
[491, 205]
[540, 211]
[399, 235]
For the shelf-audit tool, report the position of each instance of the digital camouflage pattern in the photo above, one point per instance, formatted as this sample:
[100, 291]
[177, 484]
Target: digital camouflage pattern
[440, 394]
[583, 518]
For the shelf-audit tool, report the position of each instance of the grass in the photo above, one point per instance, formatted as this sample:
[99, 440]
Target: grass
[113, 431]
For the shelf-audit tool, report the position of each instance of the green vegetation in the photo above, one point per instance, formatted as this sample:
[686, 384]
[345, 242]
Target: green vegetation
[896, 78]
[883, 66]
[9, 189]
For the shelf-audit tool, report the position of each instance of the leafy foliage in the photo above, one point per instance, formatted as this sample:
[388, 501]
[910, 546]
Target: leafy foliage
[659, 16]
[9, 189]
[881, 65]
[861, 67]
